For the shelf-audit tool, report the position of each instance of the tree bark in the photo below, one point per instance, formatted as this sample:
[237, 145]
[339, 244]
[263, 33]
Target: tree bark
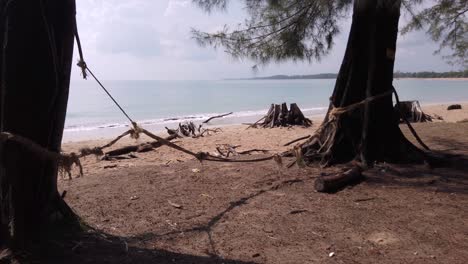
[368, 133]
[36, 56]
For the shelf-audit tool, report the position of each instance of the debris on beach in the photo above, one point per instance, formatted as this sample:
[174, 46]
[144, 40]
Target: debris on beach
[454, 107]
[189, 129]
[281, 116]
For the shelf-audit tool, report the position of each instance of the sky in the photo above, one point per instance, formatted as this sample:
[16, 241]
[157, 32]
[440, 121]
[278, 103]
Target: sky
[151, 40]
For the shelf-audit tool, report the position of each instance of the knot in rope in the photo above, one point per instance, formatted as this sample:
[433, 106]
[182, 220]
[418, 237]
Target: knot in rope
[135, 131]
[337, 111]
[82, 64]
[201, 156]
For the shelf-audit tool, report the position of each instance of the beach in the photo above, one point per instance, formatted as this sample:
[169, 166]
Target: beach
[248, 138]
[165, 204]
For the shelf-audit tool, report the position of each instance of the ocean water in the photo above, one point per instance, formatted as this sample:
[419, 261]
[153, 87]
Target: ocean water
[156, 104]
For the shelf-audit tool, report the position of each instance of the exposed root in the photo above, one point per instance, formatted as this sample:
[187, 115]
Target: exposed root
[323, 146]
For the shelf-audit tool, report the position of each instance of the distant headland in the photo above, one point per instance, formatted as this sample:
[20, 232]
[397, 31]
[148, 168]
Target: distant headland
[398, 74]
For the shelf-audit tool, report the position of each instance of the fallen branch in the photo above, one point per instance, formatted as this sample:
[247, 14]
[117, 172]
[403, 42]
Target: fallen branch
[138, 148]
[218, 116]
[253, 150]
[254, 125]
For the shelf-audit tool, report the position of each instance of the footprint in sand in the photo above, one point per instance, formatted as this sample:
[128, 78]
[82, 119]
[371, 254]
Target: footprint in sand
[383, 238]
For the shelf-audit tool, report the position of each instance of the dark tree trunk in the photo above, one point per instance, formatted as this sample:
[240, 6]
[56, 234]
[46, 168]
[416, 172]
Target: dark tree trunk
[370, 132]
[37, 48]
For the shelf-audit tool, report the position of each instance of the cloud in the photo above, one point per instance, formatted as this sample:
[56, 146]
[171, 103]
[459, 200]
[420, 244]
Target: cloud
[133, 39]
[174, 5]
[148, 39]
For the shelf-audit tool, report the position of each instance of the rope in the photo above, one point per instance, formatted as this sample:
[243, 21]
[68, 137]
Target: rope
[81, 62]
[64, 161]
[413, 131]
[136, 130]
[84, 69]
[336, 111]
[108, 93]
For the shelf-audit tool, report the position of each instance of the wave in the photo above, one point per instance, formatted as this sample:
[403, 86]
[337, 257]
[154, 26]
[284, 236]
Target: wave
[235, 118]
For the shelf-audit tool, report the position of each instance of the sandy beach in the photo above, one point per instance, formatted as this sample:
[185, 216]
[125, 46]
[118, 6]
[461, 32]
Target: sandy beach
[165, 205]
[269, 139]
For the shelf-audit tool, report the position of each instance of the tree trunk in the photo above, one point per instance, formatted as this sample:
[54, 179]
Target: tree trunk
[369, 132]
[37, 49]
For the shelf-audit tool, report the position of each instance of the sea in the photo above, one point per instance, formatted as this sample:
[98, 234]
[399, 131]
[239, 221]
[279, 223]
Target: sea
[155, 105]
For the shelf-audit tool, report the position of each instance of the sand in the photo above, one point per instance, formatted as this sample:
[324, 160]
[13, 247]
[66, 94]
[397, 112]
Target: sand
[268, 139]
[157, 209]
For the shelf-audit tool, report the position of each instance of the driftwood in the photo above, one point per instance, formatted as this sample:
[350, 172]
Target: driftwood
[218, 116]
[189, 129]
[454, 107]
[256, 123]
[336, 182]
[145, 147]
[281, 116]
[226, 150]
[412, 111]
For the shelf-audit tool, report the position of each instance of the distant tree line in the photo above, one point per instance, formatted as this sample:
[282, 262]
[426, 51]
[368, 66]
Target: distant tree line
[427, 74]
[397, 74]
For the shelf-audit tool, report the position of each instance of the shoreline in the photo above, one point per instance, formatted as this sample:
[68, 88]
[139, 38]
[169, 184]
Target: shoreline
[104, 135]
[107, 133]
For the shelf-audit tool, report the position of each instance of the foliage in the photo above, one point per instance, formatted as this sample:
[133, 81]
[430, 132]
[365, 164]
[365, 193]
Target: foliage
[278, 30]
[446, 22]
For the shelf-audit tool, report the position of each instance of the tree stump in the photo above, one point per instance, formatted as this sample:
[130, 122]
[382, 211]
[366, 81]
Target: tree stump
[281, 116]
[412, 111]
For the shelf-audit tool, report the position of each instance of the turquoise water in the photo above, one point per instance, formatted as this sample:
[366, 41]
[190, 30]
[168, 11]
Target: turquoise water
[153, 102]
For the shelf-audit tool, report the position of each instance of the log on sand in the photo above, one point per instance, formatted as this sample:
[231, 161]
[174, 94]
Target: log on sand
[333, 183]
[137, 148]
[454, 107]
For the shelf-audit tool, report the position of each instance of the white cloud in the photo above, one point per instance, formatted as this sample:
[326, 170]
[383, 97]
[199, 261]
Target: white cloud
[174, 5]
[148, 39]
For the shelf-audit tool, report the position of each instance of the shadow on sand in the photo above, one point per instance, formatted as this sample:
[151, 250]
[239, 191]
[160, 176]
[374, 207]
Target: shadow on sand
[98, 247]
[450, 176]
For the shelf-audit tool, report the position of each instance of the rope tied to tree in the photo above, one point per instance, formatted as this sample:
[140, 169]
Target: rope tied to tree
[82, 64]
[63, 161]
[337, 111]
